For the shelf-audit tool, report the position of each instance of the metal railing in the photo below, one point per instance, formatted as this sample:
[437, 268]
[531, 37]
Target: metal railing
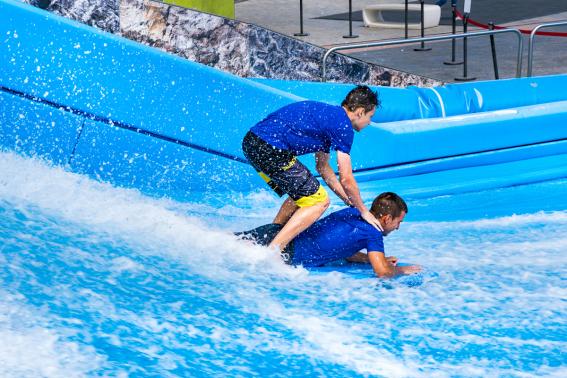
[434, 38]
[531, 41]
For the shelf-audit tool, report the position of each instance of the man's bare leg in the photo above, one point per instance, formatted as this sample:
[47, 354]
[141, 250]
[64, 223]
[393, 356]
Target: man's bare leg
[287, 209]
[302, 218]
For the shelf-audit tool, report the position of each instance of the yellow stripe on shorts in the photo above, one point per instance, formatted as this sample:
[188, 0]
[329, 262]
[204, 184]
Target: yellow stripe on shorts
[290, 164]
[317, 197]
[264, 177]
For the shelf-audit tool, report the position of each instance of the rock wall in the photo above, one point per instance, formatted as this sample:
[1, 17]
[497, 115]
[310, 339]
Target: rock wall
[240, 48]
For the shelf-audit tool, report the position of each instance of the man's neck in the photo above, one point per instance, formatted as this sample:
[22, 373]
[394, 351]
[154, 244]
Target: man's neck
[351, 116]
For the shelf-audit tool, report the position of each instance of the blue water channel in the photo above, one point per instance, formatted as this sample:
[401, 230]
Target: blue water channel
[122, 180]
[101, 281]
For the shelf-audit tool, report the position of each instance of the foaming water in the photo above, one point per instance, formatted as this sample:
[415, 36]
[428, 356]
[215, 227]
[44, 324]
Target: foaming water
[97, 280]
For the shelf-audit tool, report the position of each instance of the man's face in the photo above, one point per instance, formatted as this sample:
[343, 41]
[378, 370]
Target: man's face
[391, 224]
[362, 118]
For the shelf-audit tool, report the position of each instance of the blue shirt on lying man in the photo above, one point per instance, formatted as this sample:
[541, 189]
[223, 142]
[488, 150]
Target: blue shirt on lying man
[342, 235]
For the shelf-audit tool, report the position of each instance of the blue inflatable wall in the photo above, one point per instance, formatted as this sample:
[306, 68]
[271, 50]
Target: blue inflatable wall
[453, 99]
[131, 115]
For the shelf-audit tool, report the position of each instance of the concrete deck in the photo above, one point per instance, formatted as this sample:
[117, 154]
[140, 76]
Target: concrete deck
[550, 53]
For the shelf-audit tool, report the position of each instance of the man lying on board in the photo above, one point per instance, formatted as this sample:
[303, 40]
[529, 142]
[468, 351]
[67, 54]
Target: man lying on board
[342, 235]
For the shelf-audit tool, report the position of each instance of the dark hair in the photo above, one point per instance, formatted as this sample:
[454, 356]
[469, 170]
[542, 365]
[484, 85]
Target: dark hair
[388, 203]
[361, 97]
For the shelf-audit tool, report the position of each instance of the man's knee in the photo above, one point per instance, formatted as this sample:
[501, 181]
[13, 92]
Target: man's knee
[326, 203]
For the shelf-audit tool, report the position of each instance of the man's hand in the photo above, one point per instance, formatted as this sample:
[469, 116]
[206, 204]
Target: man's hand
[367, 216]
[392, 260]
[383, 266]
[411, 269]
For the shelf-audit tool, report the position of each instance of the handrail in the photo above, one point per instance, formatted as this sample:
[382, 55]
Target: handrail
[531, 41]
[425, 39]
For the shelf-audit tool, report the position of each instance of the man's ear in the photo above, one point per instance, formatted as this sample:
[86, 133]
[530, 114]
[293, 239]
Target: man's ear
[386, 218]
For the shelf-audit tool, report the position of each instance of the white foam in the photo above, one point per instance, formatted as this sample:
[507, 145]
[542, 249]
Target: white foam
[480, 265]
[122, 264]
[161, 226]
[157, 224]
[29, 348]
[559, 217]
[332, 340]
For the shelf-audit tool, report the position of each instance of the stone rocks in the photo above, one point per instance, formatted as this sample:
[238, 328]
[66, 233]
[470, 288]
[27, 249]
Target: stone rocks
[242, 49]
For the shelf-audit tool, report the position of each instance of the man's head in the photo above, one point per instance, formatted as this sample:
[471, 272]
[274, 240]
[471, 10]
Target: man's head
[360, 105]
[390, 209]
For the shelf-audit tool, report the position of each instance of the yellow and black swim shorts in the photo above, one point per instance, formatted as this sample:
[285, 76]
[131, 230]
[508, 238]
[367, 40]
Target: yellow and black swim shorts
[283, 172]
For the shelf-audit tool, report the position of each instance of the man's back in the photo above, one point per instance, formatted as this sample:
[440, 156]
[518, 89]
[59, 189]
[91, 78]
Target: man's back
[306, 127]
[339, 235]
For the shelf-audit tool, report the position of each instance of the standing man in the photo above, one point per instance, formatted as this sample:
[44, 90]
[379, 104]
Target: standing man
[306, 127]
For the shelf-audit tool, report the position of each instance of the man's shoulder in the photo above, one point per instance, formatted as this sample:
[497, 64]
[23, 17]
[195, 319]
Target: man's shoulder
[352, 215]
[319, 103]
[323, 114]
[310, 106]
[338, 217]
[346, 213]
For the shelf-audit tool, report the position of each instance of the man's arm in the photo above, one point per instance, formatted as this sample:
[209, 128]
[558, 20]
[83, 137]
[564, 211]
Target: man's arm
[359, 257]
[392, 260]
[328, 175]
[350, 187]
[384, 268]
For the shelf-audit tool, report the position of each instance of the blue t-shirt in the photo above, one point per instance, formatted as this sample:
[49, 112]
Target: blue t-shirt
[337, 236]
[306, 127]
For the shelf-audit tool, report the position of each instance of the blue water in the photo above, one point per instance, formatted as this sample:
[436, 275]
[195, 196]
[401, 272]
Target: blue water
[102, 281]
